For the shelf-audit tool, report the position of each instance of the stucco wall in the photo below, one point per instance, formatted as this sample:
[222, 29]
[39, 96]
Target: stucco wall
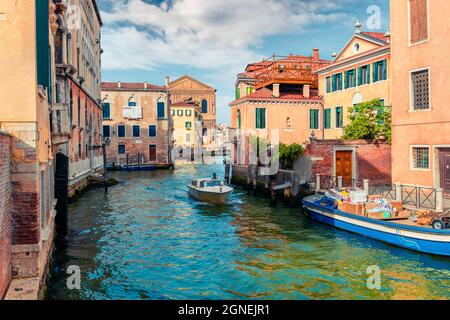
[432, 127]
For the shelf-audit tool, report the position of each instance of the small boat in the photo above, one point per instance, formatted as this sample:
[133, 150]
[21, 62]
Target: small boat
[405, 234]
[210, 190]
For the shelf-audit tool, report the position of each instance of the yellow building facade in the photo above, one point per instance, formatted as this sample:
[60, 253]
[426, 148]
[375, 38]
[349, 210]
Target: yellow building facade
[187, 128]
[359, 73]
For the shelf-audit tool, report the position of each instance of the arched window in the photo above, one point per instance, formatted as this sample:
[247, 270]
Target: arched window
[205, 132]
[204, 106]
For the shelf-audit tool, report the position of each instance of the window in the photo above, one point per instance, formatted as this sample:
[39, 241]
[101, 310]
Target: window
[327, 119]
[161, 110]
[132, 103]
[173, 112]
[249, 90]
[79, 150]
[204, 106]
[121, 131]
[418, 21]
[188, 113]
[188, 125]
[380, 112]
[238, 93]
[106, 131]
[136, 131]
[188, 137]
[180, 112]
[356, 47]
[364, 75]
[380, 71]
[420, 157]
[339, 117]
[121, 149]
[420, 90]
[106, 110]
[314, 119]
[260, 118]
[337, 82]
[152, 131]
[239, 120]
[328, 84]
[350, 79]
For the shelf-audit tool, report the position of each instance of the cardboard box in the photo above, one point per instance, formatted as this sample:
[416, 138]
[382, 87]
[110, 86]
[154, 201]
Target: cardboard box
[426, 219]
[353, 208]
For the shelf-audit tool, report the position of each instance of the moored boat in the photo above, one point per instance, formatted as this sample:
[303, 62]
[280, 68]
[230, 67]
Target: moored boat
[210, 190]
[402, 233]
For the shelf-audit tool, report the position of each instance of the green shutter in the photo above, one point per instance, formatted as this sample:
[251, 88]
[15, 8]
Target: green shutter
[327, 123]
[333, 83]
[260, 118]
[375, 72]
[311, 119]
[384, 69]
[360, 76]
[42, 44]
[238, 93]
[368, 74]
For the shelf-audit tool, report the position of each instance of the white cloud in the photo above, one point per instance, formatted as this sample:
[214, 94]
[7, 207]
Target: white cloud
[205, 34]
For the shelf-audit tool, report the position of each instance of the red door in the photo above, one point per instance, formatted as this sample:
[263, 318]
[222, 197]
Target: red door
[445, 170]
[152, 153]
[344, 167]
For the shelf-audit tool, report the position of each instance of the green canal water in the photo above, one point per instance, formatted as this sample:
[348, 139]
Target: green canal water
[146, 239]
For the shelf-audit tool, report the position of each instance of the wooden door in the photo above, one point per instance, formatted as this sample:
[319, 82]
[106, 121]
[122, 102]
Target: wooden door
[152, 153]
[445, 170]
[344, 165]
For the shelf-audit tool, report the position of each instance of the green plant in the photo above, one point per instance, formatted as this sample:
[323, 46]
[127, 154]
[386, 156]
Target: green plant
[290, 153]
[369, 120]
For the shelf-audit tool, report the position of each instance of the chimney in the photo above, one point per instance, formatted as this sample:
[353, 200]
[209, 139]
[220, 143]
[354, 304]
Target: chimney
[167, 81]
[316, 54]
[119, 84]
[145, 85]
[276, 90]
[306, 91]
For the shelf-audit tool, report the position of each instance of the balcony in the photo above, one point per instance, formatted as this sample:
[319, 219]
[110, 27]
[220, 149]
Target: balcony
[60, 123]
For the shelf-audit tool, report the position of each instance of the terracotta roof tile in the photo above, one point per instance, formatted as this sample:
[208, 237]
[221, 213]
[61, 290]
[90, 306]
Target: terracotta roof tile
[376, 35]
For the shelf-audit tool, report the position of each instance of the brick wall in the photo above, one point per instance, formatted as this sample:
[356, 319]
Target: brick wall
[5, 218]
[373, 158]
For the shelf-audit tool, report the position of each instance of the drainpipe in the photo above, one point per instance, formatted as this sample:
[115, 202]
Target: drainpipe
[323, 119]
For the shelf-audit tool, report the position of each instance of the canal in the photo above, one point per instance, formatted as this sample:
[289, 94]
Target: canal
[146, 239]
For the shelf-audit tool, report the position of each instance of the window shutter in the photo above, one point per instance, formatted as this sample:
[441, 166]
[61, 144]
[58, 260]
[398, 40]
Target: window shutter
[263, 118]
[311, 119]
[333, 85]
[258, 118]
[238, 93]
[384, 69]
[161, 110]
[375, 72]
[360, 76]
[368, 74]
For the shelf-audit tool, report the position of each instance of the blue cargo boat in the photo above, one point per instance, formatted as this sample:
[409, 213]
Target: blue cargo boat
[400, 233]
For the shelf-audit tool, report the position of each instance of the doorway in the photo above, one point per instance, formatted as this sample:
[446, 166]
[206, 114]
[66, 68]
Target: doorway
[152, 153]
[344, 166]
[444, 160]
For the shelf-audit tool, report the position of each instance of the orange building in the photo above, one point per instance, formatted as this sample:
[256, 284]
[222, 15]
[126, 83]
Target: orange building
[136, 121]
[280, 93]
[77, 111]
[421, 117]
[187, 88]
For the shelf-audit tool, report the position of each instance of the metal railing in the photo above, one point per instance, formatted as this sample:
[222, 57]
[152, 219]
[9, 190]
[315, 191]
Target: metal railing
[412, 196]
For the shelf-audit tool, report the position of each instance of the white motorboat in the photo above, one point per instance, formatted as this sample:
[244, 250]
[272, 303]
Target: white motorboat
[210, 190]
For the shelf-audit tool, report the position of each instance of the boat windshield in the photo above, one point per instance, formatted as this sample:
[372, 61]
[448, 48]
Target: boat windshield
[215, 183]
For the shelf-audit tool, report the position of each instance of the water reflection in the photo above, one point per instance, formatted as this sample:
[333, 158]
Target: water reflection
[147, 239]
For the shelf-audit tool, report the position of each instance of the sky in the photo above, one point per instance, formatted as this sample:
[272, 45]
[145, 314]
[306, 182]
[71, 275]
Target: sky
[214, 40]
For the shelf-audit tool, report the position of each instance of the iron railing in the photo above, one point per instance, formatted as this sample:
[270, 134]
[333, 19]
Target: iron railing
[418, 197]
[387, 191]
